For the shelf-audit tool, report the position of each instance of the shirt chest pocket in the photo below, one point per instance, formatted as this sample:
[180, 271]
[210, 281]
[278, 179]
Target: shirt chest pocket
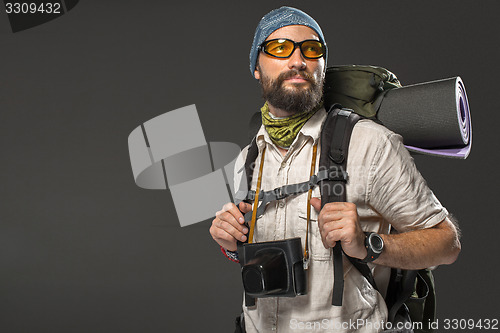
[316, 249]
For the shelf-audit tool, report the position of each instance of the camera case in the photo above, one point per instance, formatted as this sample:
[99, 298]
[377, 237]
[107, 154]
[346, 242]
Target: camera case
[272, 269]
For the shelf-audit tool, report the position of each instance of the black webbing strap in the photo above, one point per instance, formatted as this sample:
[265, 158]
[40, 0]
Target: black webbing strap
[405, 288]
[293, 189]
[335, 138]
[364, 270]
[285, 191]
[253, 153]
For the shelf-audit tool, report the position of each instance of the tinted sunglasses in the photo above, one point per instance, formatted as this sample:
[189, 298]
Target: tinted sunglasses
[284, 48]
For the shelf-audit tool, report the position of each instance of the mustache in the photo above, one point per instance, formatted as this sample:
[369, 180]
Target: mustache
[294, 73]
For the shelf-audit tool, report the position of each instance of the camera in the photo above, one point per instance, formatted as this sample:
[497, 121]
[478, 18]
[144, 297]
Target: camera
[272, 269]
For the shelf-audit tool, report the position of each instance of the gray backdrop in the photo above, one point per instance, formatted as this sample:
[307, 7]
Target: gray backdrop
[83, 249]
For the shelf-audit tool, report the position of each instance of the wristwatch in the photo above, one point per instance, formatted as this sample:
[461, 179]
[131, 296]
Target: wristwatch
[374, 246]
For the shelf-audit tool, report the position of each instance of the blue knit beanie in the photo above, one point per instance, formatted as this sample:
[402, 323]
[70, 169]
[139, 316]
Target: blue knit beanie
[279, 18]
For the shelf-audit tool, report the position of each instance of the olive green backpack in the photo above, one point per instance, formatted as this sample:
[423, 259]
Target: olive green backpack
[360, 88]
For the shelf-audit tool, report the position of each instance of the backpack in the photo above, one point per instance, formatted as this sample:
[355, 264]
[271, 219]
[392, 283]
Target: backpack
[410, 294]
[360, 88]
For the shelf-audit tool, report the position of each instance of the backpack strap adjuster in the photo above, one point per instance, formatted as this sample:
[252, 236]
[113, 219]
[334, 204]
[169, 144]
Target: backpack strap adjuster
[313, 181]
[337, 156]
[279, 193]
[250, 195]
[334, 174]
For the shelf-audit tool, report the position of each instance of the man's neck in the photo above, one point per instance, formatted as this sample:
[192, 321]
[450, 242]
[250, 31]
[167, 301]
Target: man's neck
[283, 151]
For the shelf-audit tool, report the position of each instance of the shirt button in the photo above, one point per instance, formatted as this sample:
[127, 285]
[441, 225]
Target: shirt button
[281, 204]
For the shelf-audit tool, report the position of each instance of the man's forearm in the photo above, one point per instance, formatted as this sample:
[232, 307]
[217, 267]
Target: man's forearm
[421, 248]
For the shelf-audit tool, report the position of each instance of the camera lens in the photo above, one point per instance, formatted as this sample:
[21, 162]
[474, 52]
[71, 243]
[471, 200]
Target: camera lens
[266, 274]
[253, 280]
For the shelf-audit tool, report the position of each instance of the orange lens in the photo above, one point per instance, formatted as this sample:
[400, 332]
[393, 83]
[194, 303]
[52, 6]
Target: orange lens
[280, 48]
[312, 49]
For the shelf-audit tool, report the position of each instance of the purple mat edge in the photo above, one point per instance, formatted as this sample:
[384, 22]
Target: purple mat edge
[460, 153]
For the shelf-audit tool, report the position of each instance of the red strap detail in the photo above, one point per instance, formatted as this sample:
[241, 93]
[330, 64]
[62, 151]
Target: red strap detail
[223, 250]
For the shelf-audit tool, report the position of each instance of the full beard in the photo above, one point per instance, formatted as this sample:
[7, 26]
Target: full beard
[302, 97]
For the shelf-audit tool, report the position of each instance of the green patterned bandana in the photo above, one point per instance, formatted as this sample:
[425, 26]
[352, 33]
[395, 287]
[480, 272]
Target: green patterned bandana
[284, 130]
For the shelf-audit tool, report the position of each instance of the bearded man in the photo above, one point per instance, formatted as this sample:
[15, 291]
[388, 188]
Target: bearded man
[385, 190]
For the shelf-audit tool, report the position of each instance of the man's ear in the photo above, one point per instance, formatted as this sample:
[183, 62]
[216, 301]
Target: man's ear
[256, 73]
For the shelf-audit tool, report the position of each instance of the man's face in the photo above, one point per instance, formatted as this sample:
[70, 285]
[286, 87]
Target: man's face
[293, 84]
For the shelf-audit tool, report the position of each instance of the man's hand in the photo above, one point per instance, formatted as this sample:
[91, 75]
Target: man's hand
[227, 227]
[339, 221]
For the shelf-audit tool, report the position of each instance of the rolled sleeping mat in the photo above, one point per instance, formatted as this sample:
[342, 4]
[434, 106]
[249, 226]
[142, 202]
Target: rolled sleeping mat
[433, 117]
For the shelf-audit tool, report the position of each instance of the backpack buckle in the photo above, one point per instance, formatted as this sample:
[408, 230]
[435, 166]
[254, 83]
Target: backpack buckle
[250, 195]
[313, 181]
[279, 193]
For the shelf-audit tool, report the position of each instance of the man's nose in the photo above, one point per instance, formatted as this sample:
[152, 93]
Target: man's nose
[296, 60]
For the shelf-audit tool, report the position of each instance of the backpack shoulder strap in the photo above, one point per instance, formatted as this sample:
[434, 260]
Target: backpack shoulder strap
[254, 124]
[335, 139]
[253, 152]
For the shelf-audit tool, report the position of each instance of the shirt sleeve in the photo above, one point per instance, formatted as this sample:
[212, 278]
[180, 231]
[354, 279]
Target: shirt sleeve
[397, 189]
[233, 256]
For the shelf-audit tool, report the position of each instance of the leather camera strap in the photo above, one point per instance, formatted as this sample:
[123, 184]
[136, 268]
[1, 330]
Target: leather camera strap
[256, 202]
[309, 195]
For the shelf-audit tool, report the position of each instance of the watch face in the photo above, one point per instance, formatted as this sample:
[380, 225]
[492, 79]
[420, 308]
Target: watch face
[376, 243]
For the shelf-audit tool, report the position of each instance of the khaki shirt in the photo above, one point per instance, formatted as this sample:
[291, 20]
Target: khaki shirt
[387, 190]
